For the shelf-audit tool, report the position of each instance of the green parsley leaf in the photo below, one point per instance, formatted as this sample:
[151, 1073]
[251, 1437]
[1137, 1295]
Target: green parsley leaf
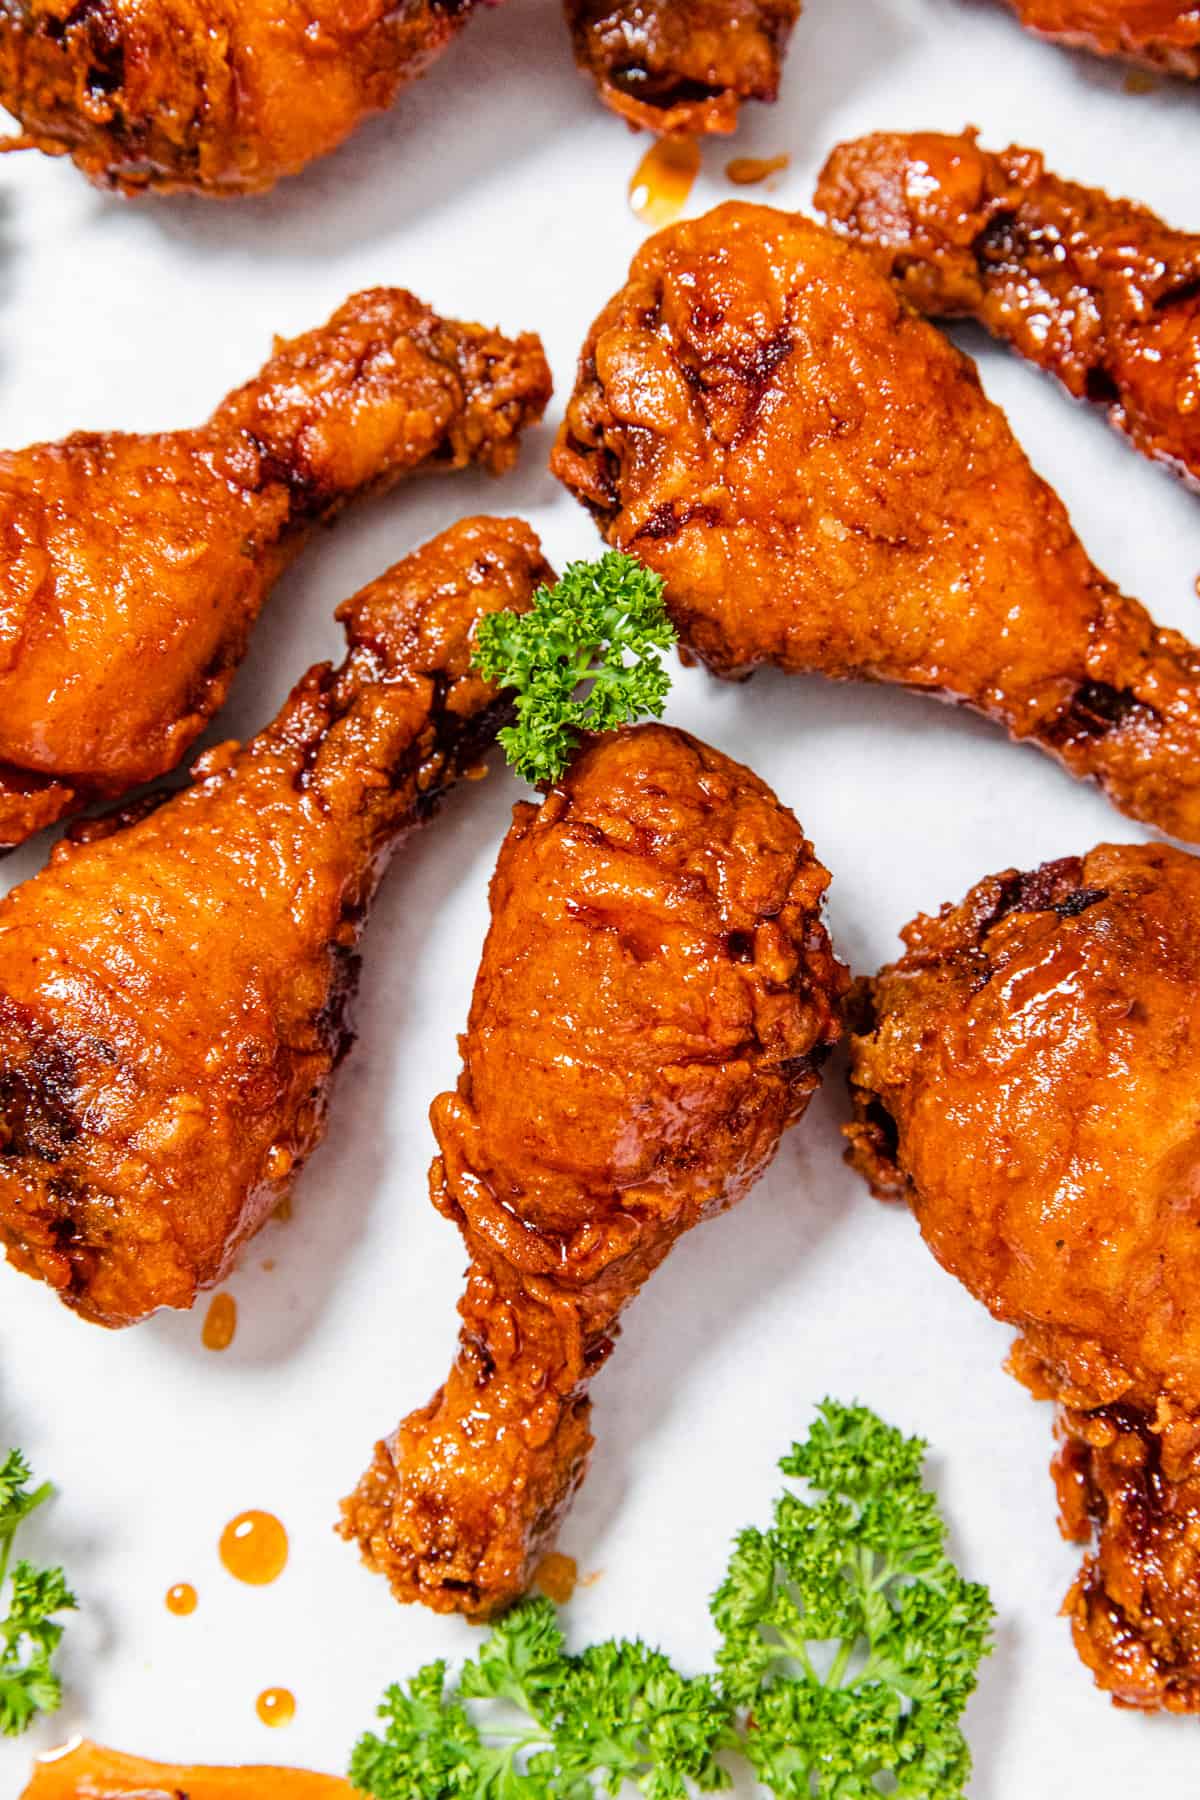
[31, 1632]
[585, 657]
[850, 1645]
[848, 1634]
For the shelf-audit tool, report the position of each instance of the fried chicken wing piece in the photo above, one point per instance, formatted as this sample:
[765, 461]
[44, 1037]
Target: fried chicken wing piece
[682, 65]
[1026, 1077]
[174, 992]
[1100, 292]
[217, 97]
[89, 1772]
[655, 998]
[818, 476]
[1160, 34]
[136, 566]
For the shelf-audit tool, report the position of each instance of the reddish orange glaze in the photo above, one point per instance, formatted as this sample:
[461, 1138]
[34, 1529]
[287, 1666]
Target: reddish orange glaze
[682, 65]
[759, 397]
[175, 993]
[1100, 292]
[655, 999]
[1025, 1076]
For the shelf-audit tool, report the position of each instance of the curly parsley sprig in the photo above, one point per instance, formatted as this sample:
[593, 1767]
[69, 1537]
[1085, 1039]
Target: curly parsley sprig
[848, 1635]
[585, 657]
[30, 1633]
[849, 1647]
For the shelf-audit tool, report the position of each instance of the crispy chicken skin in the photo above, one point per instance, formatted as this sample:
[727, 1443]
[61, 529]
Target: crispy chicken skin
[1100, 292]
[682, 65]
[818, 476]
[135, 567]
[1162, 34]
[174, 990]
[215, 97]
[1026, 1077]
[654, 1001]
[89, 1772]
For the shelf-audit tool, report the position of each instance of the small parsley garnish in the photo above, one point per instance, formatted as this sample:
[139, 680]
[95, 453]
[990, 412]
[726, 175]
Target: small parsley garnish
[849, 1647]
[30, 1633]
[585, 657]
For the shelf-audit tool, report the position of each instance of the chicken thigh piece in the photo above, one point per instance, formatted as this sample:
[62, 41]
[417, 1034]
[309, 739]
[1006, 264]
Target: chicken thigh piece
[682, 65]
[174, 991]
[1162, 34]
[1100, 292]
[1027, 1078]
[820, 480]
[655, 999]
[215, 97]
[135, 567]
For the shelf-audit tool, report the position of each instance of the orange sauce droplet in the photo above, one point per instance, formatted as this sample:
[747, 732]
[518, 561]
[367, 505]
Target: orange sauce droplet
[275, 1706]
[556, 1575]
[283, 1211]
[1140, 81]
[220, 1322]
[254, 1548]
[663, 179]
[181, 1599]
[745, 171]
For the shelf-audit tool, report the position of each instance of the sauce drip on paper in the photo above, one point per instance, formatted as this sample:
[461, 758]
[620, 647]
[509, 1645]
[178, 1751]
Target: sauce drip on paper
[276, 1706]
[557, 1575]
[746, 171]
[663, 179]
[220, 1322]
[254, 1548]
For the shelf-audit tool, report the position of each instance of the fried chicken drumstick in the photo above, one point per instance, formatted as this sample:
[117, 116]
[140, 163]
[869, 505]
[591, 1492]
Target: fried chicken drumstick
[823, 485]
[1161, 34]
[654, 1001]
[682, 65]
[174, 995]
[1025, 1076]
[136, 566]
[208, 96]
[1100, 292]
[89, 1772]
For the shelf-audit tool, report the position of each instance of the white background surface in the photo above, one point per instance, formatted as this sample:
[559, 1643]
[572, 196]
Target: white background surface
[496, 190]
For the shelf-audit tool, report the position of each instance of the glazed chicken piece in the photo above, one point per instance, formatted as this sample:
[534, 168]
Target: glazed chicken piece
[1100, 292]
[818, 476]
[1026, 1077]
[135, 567]
[655, 999]
[682, 65]
[1161, 34]
[215, 97]
[174, 991]
[89, 1772]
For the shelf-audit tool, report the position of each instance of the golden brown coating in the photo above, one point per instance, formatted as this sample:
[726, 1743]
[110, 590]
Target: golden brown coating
[654, 1001]
[1162, 34]
[1100, 292]
[135, 567]
[682, 65]
[90, 1772]
[209, 96]
[1026, 1077]
[174, 994]
[818, 476]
